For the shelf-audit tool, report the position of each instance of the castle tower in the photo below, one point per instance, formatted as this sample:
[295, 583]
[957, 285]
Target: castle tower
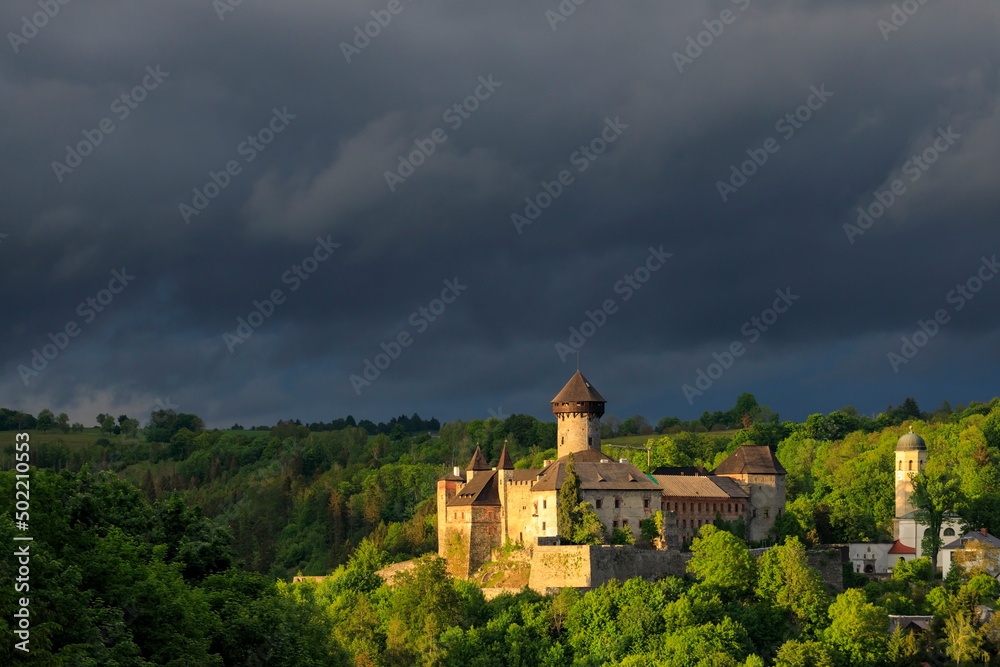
[911, 457]
[758, 472]
[578, 409]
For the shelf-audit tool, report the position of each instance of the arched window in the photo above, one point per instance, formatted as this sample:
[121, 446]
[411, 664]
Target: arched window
[900, 466]
[909, 465]
[949, 532]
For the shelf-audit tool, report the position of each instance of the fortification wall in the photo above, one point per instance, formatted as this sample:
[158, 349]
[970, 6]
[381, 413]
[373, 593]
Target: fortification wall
[829, 564]
[592, 566]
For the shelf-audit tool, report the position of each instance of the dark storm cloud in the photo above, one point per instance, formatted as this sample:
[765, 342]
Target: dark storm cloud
[323, 176]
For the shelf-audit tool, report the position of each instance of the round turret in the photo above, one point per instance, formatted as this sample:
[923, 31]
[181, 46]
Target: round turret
[911, 442]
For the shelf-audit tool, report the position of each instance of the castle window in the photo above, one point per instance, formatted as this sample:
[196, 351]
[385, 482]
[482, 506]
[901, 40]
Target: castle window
[599, 503]
[618, 503]
[766, 513]
[624, 523]
[699, 523]
[699, 507]
[543, 526]
[684, 523]
[545, 504]
[949, 532]
[713, 507]
[909, 465]
[729, 507]
[645, 503]
[684, 507]
[900, 466]
[755, 513]
[590, 441]
[563, 440]
[614, 524]
[489, 530]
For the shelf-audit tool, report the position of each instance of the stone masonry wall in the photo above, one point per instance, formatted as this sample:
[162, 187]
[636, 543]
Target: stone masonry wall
[592, 566]
[574, 429]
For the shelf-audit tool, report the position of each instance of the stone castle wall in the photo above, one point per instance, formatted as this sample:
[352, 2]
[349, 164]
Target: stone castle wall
[589, 566]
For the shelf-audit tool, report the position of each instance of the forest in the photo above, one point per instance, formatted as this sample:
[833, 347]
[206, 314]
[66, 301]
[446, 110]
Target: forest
[173, 544]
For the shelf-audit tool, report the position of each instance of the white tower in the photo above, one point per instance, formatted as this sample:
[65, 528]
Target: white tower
[911, 457]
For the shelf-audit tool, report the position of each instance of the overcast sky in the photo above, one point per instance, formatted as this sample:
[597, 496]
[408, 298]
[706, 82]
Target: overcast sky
[644, 109]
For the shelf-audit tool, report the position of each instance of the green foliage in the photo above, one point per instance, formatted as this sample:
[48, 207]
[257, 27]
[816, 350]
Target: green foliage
[424, 604]
[788, 582]
[722, 562]
[359, 573]
[569, 498]
[588, 527]
[652, 527]
[858, 630]
[794, 653]
[913, 571]
[622, 536]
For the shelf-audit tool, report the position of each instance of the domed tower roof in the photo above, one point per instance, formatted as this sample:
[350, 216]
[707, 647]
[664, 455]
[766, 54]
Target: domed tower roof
[911, 442]
[578, 396]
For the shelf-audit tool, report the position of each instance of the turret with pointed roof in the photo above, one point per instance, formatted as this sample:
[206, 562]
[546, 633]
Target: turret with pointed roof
[578, 409]
[477, 464]
[505, 463]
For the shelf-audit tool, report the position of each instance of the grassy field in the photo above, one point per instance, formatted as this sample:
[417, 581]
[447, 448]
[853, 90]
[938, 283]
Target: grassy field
[88, 437]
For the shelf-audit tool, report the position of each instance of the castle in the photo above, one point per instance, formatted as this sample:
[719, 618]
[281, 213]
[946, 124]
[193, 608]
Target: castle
[486, 507]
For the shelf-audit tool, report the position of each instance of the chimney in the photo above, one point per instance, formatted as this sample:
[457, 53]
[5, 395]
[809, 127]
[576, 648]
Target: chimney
[622, 460]
[455, 471]
[983, 531]
[545, 463]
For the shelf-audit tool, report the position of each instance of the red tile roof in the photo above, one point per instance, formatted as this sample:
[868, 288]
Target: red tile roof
[900, 548]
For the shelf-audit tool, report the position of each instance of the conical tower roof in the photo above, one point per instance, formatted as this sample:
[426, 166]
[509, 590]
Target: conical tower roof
[478, 461]
[578, 390]
[505, 462]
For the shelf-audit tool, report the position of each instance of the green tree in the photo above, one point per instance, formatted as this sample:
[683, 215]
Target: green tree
[107, 424]
[569, 498]
[45, 420]
[934, 496]
[722, 562]
[964, 643]
[787, 581]
[424, 604]
[905, 649]
[62, 422]
[795, 653]
[588, 527]
[858, 630]
[359, 575]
